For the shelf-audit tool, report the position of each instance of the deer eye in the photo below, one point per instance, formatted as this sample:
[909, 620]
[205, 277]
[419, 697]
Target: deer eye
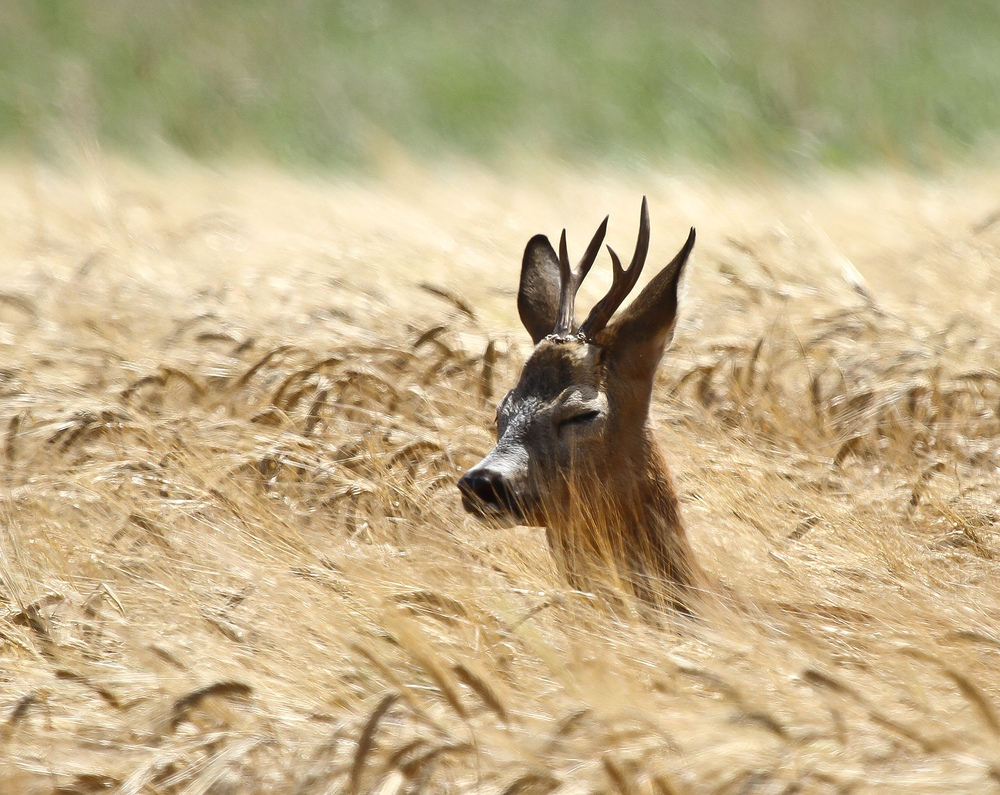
[580, 419]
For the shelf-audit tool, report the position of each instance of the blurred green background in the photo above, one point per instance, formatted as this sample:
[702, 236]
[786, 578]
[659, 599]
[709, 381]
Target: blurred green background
[305, 83]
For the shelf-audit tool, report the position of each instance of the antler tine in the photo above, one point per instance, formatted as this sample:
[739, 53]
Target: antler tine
[570, 280]
[623, 282]
[590, 255]
[567, 292]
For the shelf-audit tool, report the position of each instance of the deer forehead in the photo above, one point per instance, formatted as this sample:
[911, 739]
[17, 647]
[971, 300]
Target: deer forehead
[557, 366]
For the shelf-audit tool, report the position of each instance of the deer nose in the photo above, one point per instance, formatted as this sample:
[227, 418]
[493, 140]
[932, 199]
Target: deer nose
[485, 488]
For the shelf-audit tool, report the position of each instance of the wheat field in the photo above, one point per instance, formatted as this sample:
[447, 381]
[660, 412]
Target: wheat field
[234, 405]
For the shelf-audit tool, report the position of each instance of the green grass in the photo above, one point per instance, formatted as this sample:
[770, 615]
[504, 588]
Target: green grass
[306, 82]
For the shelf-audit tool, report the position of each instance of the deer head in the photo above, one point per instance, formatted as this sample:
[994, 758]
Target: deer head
[574, 449]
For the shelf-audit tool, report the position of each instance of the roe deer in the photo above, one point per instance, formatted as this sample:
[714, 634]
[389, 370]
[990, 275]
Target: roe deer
[575, 452]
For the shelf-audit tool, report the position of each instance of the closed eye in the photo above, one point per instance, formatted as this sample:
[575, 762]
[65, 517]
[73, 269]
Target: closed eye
[580, 419]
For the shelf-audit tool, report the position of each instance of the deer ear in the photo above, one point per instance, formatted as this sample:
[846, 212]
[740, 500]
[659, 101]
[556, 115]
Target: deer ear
[538, 294]
[637, 339]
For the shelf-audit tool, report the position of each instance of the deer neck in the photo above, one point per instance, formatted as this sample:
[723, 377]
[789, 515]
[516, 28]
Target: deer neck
[627, 515]
[641, 493]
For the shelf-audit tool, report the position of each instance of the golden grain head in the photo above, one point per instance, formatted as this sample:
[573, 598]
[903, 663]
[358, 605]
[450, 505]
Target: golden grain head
[232, 554]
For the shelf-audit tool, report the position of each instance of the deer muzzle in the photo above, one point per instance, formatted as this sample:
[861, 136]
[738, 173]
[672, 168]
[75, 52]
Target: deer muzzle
[489, 493]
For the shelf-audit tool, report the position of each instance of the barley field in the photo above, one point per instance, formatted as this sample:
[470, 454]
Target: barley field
[234, 405]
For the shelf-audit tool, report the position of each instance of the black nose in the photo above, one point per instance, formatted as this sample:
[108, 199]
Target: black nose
[485, 489]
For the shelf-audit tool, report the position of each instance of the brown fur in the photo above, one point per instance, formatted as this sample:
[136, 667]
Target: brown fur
[575, 450]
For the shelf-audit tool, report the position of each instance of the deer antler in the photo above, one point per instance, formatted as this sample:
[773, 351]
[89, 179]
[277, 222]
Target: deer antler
[624, 280]
[570, 280]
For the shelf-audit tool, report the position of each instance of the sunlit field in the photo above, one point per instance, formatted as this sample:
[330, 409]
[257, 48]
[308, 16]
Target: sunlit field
[233, 407]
